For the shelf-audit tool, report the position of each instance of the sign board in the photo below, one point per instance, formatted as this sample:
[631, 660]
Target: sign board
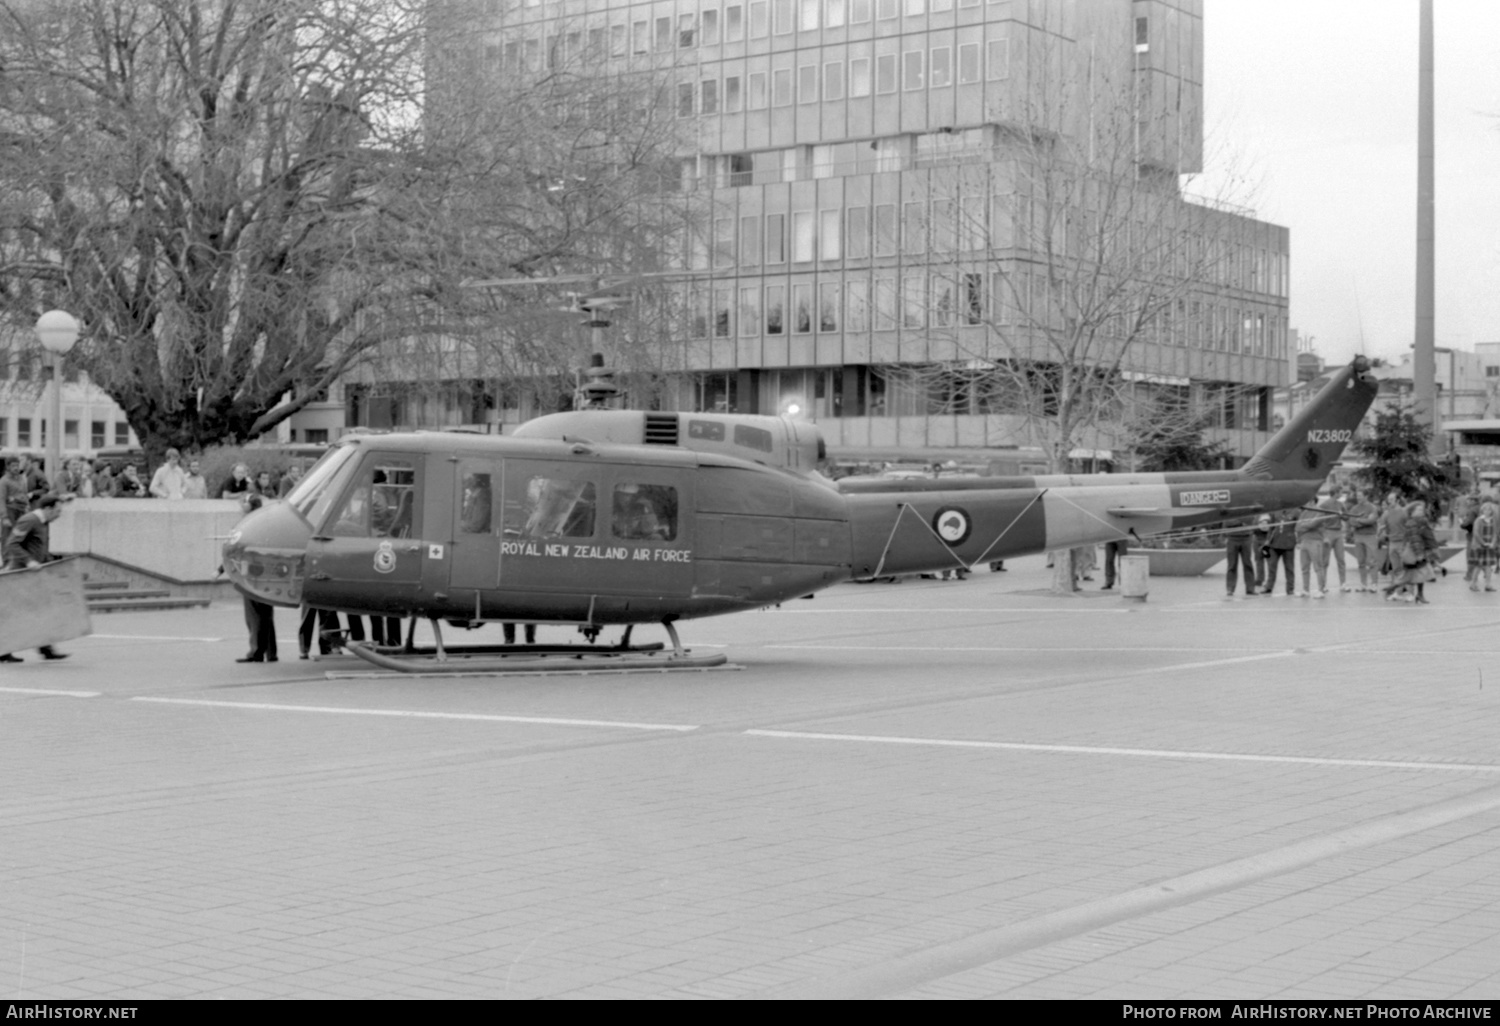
[42, 605]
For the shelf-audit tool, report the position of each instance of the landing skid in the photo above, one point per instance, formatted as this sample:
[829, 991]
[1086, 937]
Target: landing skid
[532, 659]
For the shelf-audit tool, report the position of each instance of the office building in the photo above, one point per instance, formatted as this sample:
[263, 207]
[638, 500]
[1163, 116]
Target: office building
[881, 232]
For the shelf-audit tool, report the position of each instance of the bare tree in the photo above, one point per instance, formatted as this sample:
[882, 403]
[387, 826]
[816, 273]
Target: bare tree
[244, 201]
[1065, 260]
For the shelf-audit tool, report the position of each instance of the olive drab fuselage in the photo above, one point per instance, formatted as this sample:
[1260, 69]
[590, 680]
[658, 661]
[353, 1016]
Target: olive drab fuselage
[546, 526]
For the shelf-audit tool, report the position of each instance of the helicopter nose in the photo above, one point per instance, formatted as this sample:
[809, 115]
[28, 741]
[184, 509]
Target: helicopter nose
[264, 555]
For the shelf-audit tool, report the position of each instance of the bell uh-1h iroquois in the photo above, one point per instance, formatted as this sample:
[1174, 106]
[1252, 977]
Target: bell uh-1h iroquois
[601, 517]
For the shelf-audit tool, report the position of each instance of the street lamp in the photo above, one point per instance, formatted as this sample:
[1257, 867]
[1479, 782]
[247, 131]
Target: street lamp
[57, 332]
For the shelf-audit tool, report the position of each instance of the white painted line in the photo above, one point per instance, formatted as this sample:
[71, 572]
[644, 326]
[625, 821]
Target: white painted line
[416, 714]
[149, 637]
[1150, 753]
[940, 960]
[46, 691]
[984, 609]
[1019, 648]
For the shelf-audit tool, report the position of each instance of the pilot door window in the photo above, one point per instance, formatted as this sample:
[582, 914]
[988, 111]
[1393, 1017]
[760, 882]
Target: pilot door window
[644, 512]
[476, 512]
[552, 507]
[380, 503]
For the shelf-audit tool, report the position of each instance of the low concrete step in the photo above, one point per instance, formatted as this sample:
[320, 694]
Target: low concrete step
[105, 585]
[124, 603]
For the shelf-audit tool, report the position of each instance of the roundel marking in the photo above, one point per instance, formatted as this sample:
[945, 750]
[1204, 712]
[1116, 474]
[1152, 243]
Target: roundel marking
[952, 524]
[1311, 458]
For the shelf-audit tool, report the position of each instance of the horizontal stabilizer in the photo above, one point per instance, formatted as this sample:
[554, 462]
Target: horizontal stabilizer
[1178, 512]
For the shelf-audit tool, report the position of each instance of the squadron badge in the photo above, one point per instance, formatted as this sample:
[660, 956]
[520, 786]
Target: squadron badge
[385, 558]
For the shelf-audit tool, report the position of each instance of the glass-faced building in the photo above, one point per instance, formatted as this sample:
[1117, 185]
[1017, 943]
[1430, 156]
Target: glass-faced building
[906, 210]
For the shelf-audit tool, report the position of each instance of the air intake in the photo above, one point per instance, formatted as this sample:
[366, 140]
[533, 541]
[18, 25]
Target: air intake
[661, 429]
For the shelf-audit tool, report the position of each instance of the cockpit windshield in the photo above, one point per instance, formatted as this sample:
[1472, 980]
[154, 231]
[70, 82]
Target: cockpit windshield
[323, 483]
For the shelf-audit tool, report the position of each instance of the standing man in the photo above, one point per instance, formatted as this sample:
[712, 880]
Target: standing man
[195, 486]
[1281, 551]
[36, 481]
[26, 546]
[1333, 535]
[1364, 516]
[15, 500]
[1238, 540]
[1113, 550]
[1314, 548]
[170, 480]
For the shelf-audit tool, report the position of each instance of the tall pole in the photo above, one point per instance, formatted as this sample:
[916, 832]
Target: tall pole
[57, 331]
[1424, 366]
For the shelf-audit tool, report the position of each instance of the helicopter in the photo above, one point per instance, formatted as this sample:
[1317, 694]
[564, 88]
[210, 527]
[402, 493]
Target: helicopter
[600, 517]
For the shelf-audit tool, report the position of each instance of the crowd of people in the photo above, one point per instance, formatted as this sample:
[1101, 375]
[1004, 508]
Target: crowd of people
[176, 478]
[1391, 539]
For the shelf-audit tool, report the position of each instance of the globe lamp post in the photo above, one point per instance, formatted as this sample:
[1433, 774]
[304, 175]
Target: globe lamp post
[57, 331]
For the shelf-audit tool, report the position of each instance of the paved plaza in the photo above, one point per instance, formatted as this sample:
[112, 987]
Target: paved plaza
[929, 789]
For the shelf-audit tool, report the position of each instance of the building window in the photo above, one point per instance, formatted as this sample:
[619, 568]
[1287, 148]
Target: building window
[710, 97]
[23, 432]
[723, 312]
[940, 71]
[914, 227]
[913, 305]
[885, 229]
[885, 302]
[724, 242]
[750, 241]
[968, 63]
[783, 13]
[759, 21]
[96, 434]
[775, 303]
[974, 298]
[911, 70]
[781, 87]
[859, 76]
[829, 243]
[802, 309]
[711, 27]
[1142, 35]
[775, 238]
[757, 98]
[640, 41]
[70, 434]
[807, 83]
[810, 14]
[858, 236]
[886, 9]
[687, 31]
[915, 8]
[885, 73]
[834, 15]
[856, 306]
[999, 59]
[750, 311]
[833, 80]
[122, 433]
[803, 236]
[734, 24]
[663, 35]
[732, 95]
[828, 306]
[859, 11]
[685, 99]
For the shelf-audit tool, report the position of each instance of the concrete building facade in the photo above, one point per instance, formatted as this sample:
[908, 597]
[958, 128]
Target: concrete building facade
[875, 233]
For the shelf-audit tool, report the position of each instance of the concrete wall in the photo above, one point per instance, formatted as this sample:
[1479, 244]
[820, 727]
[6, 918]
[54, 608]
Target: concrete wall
[178, 540]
